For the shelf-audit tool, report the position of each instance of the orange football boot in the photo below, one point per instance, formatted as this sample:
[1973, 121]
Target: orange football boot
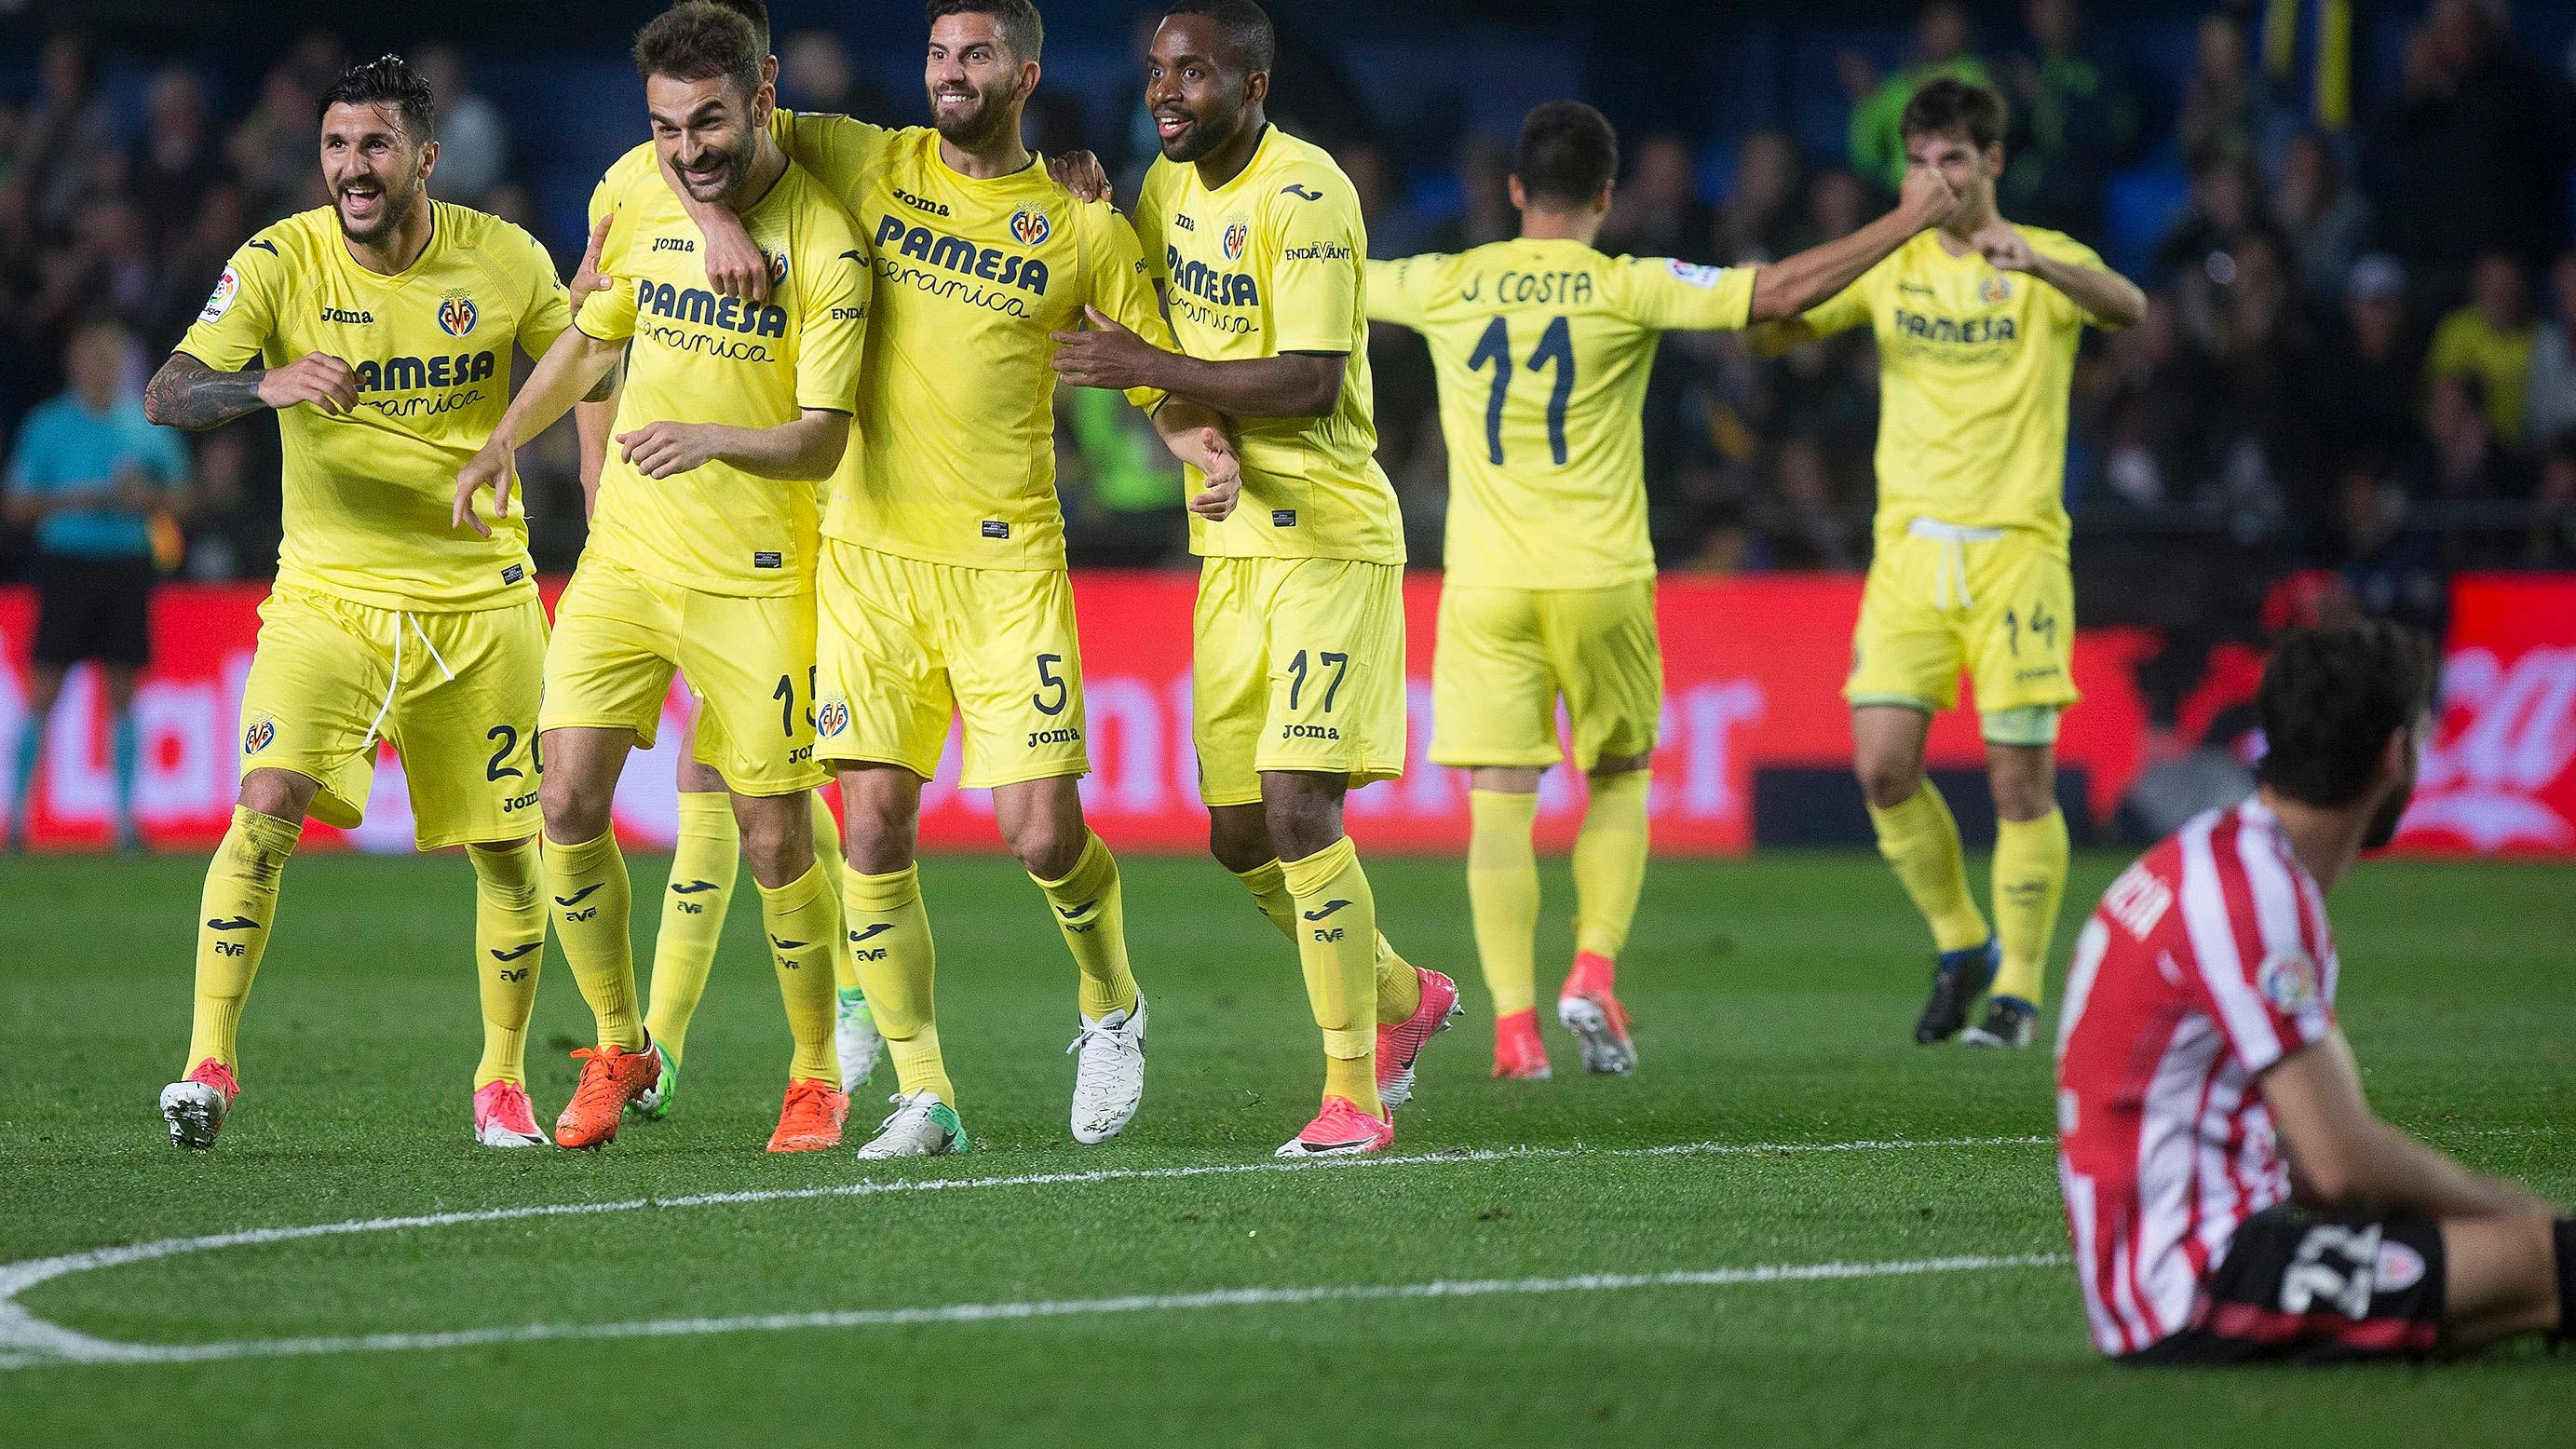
[610, 1078]
[811, 1118]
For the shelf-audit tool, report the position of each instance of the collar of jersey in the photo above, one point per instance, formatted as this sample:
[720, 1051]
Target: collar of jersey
[1254, 164]
[939, 158]
[340, 244]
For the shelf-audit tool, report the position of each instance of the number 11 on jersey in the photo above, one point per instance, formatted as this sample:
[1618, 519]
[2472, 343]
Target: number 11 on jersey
[1555, 348]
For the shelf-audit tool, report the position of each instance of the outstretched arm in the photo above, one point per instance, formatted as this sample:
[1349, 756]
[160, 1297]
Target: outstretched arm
[188, 394]
[1789, 287]
[2344, 1157]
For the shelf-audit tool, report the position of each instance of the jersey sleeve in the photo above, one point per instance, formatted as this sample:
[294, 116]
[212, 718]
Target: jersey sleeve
[1843, 310]
[241, 314]
[2265, 974]
[546, 309]
[1122, 287]
[1677, 296]
[833, 331]
[1317, 263]
[844, 153]
[2058, 247]
[1149, 226]
[1398, 291]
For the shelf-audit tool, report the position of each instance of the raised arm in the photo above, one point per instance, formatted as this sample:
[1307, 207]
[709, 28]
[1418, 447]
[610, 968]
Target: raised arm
[2109, 299]
[2343, 1157]
[1786, 288]
[190, 395]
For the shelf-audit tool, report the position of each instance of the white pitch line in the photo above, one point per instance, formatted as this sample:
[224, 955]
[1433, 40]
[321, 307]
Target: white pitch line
[139, 1353]
[26, 1339]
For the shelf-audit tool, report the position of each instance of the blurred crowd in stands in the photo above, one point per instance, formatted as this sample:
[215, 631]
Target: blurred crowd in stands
[2360, 361]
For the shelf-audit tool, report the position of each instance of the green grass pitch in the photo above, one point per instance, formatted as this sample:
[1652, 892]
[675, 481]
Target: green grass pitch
[1773, 1001]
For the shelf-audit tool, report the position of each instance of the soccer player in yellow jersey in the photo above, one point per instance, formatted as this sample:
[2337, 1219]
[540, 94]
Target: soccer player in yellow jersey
[1542, 346]
[1977, 325]
[380, 329]
[1255, 237]
[944, 592]
[702, 548]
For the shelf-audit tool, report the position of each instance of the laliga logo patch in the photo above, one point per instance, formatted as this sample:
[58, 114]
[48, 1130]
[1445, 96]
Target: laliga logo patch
[2288, 980]
[831, 719]
[261, 734]
[1994, 291]
[227, 287]
[1236, 235]
[456, 314]
[1031, 227]
[1701, 277]
[2398, 1267]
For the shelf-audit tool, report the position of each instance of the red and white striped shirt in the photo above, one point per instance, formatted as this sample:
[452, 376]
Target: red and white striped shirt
[2207, 961]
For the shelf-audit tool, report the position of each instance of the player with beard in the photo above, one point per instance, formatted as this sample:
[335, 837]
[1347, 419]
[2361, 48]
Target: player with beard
[944, 591]
[702, 548]
[379, 328]
[2232, 1195]
[1256, 239]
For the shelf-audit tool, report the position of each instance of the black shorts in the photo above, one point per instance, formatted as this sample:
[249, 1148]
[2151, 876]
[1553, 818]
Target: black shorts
[93, 608]
[2300, 1289]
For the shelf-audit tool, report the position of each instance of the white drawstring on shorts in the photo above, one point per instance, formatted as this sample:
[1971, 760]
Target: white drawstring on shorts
[402, 617]
[1955, 538]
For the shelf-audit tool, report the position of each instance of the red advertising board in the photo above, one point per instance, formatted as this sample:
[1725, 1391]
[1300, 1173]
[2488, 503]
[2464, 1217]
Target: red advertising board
[1754, 667]
[2499, 776]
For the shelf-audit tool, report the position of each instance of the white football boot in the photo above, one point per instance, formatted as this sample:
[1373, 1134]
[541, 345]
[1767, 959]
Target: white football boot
[1109, 1080]
[921, 1125]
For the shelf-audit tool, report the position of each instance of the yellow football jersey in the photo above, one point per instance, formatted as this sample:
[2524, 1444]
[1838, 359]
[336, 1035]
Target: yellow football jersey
[369, 495]
[700, 358]
[1275, 261]
[957, 402]
[1542, 349]
[1975, 366]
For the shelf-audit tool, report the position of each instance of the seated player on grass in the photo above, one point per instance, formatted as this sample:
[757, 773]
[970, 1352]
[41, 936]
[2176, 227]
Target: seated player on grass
[2232, 1195]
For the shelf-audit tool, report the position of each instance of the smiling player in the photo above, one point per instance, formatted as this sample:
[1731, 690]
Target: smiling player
[1977, 325]
[1255, 237]
[380, 329]
[702, 549]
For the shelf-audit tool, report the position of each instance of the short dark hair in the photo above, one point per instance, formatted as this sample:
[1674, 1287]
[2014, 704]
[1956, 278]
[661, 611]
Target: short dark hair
[756, 13]
[1018, 21]
[1568, 152]
[700, 40]
[1948, 106]
[388, 80]
[2330, 698]
[1245, 27]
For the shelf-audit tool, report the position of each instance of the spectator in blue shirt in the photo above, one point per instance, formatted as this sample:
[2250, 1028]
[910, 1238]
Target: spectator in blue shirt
[90, 476]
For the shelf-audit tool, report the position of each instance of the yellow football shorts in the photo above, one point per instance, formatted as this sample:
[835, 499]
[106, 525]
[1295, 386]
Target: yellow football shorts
[907, 644]
[619, 635]
[1507, 655]
[1998, 603]
[1298, 664]
[455, 691]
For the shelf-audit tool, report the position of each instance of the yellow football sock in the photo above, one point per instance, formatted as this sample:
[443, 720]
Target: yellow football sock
[233, 917]
[509, 946]
[1269, 886]
[592, 900]
[1610, 863]
[2030, 879]
[1091, 911]
[1337, 946]
[703, 867]
[1399, 990]
[801, 917]
[1502, 895]
[890, 935]
[828, 850]
[1922, 842]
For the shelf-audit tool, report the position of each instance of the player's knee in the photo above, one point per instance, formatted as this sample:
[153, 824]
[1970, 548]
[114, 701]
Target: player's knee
[1047, 850]
[1239, 840]
[574, 812]
[1302, 823]
[1888, 782]
[278, 794]
[880, 839]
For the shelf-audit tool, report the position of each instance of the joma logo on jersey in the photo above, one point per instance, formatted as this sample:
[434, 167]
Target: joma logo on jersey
[1065, 736]
[908, 199]
[1223, 289]
[405, 374]
[1031, 227]
[1968, 331]
[457, 314]
[674, 244]
[347, 318]
[1309, 732]
[706, 309]
[963, 257]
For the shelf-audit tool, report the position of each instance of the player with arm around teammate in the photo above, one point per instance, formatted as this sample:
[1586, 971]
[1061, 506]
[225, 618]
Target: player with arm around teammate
[1977, 324]
[2231, 1194]
[1542, 347]
[380, 331]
